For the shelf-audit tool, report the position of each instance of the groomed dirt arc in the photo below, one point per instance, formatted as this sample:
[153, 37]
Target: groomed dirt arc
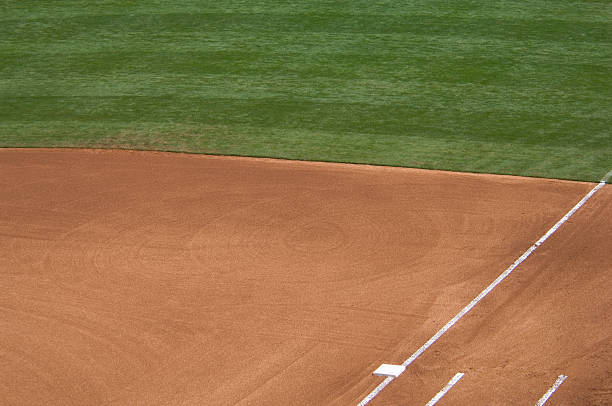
[141, 278]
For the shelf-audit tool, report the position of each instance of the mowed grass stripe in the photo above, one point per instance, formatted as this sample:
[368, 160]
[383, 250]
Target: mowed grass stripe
[437, 60]
[415, 94]
[529, 10]
[387, 119]
[429, 84]
[156, 26]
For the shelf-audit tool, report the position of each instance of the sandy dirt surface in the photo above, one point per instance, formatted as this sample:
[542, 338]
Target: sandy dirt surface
[132, 278]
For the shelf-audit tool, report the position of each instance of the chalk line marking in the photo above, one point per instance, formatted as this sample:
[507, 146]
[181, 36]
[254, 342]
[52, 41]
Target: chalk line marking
[552, 389]
[448, 387]
[488, 289]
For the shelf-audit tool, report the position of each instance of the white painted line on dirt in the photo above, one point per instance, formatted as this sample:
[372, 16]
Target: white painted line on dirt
[376, 391]
[552, 389]
[448, 387]
[488, 289]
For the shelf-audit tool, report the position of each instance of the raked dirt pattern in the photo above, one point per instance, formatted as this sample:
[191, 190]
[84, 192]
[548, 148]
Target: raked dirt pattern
[139, 278]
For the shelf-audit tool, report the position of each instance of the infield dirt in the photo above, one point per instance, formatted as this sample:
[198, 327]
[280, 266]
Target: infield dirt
[164, 279]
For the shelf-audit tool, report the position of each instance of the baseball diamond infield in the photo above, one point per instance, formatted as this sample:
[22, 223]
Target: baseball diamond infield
[140, 278]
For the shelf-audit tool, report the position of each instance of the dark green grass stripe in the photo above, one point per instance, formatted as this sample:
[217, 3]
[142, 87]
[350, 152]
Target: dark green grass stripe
[542, 9]
[152, 25]
[393, 119]
[484, 67]
[382, 97]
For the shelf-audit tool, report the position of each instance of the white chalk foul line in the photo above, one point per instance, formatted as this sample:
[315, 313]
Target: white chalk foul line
[448, 387]
[488, 289]
[552, 389]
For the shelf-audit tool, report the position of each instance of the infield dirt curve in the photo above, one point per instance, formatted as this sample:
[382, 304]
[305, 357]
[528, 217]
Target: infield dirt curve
[133, 278]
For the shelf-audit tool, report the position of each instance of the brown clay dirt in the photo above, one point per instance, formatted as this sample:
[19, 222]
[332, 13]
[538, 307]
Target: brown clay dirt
[132, 278]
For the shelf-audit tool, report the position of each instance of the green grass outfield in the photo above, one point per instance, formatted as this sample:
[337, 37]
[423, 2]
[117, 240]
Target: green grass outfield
[518, 87]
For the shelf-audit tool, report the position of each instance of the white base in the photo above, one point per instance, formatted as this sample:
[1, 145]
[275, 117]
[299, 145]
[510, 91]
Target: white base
[389, 370]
